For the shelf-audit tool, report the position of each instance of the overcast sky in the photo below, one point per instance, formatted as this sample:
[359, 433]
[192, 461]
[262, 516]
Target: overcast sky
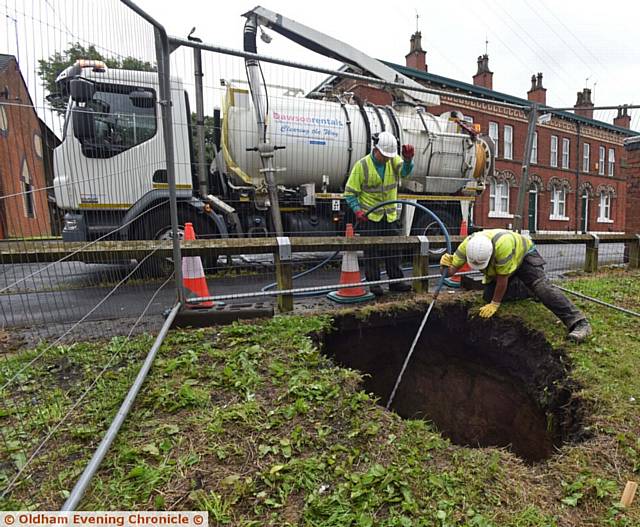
[573, 43]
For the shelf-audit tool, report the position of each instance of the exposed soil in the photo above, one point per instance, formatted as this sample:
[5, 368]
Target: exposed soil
[482, 382]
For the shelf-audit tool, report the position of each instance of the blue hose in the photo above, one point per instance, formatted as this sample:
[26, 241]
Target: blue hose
[442, 226]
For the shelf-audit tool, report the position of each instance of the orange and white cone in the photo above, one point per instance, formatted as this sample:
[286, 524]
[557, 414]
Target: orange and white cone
[193, 279]
[455, 280]
[350, 274]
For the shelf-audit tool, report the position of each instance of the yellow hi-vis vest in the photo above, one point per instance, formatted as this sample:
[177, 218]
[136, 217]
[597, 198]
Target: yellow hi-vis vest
[509, 250]
[366, 185]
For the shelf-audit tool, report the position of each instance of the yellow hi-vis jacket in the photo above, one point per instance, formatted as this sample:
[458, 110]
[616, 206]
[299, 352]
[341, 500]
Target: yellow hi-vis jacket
[365, 184]
[509, 250]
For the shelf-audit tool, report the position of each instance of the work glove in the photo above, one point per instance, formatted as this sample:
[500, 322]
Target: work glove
[361, 217]
[446, 260]
[489, 310]
[408, 152]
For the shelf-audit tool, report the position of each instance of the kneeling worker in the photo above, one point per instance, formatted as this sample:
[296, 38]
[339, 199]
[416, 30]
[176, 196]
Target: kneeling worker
[513, 269]
[373, 180]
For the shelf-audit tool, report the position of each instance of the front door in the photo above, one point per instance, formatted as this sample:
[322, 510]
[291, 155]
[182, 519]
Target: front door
[533, 209]
[584, 216]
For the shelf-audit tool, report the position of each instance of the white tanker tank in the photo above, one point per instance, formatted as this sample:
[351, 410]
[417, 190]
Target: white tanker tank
[323, 139]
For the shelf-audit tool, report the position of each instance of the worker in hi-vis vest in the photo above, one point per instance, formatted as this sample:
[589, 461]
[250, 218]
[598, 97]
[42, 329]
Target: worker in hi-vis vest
[373, 180]
[513, 269]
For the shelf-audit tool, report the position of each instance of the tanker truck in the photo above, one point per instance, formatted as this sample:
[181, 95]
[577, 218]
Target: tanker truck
[280, 162]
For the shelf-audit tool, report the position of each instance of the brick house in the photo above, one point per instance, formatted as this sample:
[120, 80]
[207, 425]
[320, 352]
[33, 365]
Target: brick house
[575, 178]
[26, 145]
[631, 170]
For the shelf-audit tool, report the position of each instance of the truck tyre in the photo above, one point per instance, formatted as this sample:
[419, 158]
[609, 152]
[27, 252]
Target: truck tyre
[156, 225]
[425, 225]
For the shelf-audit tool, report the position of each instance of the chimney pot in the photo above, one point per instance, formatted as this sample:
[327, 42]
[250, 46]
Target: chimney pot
[537, 93]
[584, 106]
[416, 58]
[484, 76]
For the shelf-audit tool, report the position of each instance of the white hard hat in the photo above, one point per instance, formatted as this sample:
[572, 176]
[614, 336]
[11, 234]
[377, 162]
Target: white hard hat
[479, 251]
[387, 144]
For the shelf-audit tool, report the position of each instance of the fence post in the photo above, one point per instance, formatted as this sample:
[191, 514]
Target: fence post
[634, 253]
[591, 255]
[284, 273]
[421, 265]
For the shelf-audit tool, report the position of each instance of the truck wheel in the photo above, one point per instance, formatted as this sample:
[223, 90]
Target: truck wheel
[425, 225]
[157, 226]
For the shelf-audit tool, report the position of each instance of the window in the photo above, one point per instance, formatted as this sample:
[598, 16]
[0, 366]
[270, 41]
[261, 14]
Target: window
[534, 148]
[604, 215]
[115, 119]
[586, 155]
[565, 153]
[27, 191]
[558, 203]
[508, 142]
[493, 134]
[553, 161]
[601, 161]
[612, 161]
[499, 199]
[37, 145]
[4, 121]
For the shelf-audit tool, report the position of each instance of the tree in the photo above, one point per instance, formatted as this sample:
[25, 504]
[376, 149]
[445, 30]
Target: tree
[49, 69]
[209, 137]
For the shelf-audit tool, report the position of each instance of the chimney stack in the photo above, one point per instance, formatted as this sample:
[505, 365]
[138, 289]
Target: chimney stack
[484, 76]
[623, 120]
[537, 93]
[417, 57]
[584, 106]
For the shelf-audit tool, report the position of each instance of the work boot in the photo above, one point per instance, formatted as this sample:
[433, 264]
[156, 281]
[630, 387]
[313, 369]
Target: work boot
[376, 290]
[580, 331]
[400, 287]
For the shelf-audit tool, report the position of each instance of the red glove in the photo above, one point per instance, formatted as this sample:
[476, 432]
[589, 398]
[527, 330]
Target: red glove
[361, 217]
[408, 152]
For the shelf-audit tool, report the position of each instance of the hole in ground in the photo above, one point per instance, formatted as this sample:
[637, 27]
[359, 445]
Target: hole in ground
[482, 382]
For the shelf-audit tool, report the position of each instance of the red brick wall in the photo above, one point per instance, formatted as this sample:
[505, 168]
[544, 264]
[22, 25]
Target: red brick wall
[543, 170]
[16, 149]
[631, 169]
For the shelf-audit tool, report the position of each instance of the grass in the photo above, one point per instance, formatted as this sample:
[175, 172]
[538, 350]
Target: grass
[253, 424]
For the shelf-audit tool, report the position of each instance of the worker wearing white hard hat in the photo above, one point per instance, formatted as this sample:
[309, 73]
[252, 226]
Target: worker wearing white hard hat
[513, 269]
[374, 179]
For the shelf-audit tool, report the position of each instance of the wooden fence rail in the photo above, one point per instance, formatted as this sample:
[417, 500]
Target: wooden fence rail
[46, 251]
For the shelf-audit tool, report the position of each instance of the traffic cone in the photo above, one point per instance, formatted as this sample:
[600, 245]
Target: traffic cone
[455, 280]
[350, 274]
[193, 279]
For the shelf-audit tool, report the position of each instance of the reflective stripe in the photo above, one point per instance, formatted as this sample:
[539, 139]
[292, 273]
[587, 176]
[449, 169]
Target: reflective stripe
[460, 254]
[365, 171]
[352, 190]
[379, 189]
[494, 242]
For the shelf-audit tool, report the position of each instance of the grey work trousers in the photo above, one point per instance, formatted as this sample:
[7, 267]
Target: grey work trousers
[373, 256]
[530, 280]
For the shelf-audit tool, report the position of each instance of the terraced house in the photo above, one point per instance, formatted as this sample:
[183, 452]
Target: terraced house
[25, 159]
[576, 181]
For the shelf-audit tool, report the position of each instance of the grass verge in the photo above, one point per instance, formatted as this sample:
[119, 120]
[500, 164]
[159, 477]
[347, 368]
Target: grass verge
[252, 423]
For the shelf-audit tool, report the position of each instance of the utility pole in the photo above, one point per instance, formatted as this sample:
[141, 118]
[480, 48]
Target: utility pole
[524, 180]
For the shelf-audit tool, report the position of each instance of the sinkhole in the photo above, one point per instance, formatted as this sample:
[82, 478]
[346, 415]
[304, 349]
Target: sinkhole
[481, 382]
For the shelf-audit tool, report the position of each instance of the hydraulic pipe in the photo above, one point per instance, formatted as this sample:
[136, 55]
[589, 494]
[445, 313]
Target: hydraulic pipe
[260, 104]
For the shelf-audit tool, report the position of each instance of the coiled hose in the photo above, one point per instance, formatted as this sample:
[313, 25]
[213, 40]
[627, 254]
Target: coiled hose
[442, 226]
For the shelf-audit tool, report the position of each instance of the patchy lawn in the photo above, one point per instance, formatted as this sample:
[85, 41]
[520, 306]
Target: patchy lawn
[254, 424]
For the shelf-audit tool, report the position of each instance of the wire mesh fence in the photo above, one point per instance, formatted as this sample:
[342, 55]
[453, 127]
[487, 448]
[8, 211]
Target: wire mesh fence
[261, 146]
[61, 168]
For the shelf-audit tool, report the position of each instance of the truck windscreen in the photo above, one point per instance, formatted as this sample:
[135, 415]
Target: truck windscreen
[116, 119]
